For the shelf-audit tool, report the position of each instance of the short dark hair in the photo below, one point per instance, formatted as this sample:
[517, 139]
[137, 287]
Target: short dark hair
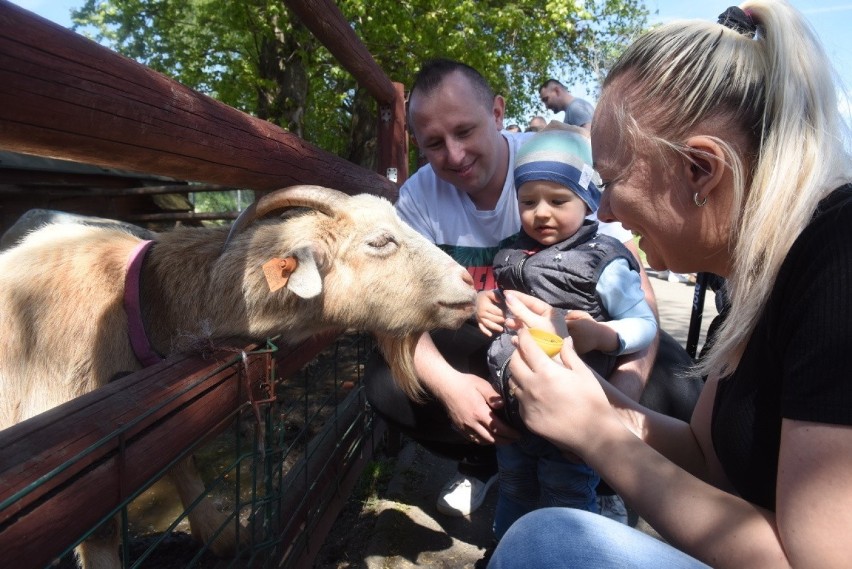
[434, 71]
[551, 82]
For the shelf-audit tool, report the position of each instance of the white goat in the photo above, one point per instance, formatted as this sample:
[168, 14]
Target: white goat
[64, 331]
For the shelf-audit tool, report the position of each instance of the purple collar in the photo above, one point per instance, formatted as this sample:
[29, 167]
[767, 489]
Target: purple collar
[135, 326]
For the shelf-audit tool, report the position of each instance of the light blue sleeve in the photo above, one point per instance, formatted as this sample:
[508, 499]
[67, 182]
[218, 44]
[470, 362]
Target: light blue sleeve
[620, 290]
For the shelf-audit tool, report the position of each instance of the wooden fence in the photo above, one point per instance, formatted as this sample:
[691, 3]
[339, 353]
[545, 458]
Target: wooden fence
[64, 96]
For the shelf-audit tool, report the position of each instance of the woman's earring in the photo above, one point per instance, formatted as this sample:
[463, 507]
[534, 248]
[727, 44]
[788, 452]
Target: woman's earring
[699, 203]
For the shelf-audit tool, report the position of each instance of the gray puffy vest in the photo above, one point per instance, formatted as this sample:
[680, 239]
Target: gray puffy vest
[564, 275]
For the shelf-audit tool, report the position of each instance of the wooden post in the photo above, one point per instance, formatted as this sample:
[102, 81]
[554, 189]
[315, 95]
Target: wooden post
[393, 139]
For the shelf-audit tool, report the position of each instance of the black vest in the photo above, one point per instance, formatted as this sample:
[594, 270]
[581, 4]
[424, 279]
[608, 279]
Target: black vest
[564, 275]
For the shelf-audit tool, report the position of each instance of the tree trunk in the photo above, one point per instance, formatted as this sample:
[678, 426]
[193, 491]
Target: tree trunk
[362, 131]
[282, 95]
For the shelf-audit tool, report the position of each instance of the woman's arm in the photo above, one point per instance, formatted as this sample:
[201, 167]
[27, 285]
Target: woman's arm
[649, 459]
[814, 494]
[568, 406]
[672, 437]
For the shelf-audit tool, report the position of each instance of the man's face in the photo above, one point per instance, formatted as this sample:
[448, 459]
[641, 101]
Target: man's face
[458, 135]
[550, 97]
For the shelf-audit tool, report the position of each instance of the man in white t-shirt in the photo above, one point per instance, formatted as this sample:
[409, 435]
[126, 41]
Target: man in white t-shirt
[464, 201]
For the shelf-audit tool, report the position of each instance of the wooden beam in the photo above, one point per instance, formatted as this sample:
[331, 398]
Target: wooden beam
[51, 190]
[180, 216]
[326, 22]
[393, 138]
[65, 96]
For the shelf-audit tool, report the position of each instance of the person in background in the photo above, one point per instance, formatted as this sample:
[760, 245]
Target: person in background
[537, 123]
[513, 128]
[595, 283]
[721, 143]
[557, 98]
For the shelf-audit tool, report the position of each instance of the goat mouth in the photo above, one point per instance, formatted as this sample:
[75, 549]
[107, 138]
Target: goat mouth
[465, 306]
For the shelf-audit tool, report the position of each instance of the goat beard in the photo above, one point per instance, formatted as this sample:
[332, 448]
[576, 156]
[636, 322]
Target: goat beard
[399, 353]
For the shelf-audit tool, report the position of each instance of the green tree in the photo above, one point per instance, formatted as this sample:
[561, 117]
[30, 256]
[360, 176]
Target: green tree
[255, 56]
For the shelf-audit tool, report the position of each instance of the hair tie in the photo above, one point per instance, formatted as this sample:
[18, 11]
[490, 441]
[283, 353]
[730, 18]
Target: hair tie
[739, 21]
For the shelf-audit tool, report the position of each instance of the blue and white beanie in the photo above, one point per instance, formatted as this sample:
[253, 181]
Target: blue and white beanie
[560, 153]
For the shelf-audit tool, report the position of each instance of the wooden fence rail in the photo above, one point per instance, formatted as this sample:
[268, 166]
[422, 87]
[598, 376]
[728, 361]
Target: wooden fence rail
[65, 96]
[45, 507]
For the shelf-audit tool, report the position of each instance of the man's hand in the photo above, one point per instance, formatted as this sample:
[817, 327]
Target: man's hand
[469, 399]
[470, 403]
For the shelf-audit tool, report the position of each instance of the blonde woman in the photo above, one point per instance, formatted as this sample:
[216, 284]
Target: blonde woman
[722, 146]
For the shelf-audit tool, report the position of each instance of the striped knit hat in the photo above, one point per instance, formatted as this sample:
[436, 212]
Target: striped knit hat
[563, 154]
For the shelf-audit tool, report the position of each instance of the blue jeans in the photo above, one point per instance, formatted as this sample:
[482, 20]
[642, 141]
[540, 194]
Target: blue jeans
[565, 538]
[534, 474]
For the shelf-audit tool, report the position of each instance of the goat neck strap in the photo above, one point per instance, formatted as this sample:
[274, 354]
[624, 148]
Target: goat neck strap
[135, 326]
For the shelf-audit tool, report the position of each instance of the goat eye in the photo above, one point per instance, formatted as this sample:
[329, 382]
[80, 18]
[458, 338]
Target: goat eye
[381, 241]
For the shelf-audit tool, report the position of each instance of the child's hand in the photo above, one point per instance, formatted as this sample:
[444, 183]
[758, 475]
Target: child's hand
[589, 334]
[489, 312]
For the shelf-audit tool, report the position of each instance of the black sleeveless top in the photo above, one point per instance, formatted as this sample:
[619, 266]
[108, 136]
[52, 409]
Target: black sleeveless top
[798, 362]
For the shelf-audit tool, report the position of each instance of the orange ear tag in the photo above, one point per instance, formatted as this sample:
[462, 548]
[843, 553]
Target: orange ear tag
[278, 271]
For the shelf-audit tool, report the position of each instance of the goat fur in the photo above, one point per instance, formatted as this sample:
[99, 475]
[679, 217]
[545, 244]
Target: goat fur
[63, 329]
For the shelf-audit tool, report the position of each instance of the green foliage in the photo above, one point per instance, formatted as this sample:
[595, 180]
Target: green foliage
[254, 55]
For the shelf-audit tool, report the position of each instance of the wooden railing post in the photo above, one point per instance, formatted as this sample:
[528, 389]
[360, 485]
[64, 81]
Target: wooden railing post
[393, 138]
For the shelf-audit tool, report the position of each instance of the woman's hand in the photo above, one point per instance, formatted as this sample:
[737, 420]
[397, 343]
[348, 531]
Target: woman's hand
[562, 404]
[530, 312]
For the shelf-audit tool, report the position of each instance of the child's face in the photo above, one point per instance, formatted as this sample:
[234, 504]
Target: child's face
[550, 212]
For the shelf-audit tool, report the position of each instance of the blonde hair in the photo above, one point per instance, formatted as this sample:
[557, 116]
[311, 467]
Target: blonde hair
[777, 87]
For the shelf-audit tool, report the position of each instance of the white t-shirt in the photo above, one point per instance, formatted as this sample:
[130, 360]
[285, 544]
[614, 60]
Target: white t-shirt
[448, 218]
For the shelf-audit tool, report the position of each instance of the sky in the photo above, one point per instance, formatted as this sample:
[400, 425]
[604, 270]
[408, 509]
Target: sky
[832, 20]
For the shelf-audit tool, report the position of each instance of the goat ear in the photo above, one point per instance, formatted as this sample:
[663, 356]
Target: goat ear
[305, 281]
